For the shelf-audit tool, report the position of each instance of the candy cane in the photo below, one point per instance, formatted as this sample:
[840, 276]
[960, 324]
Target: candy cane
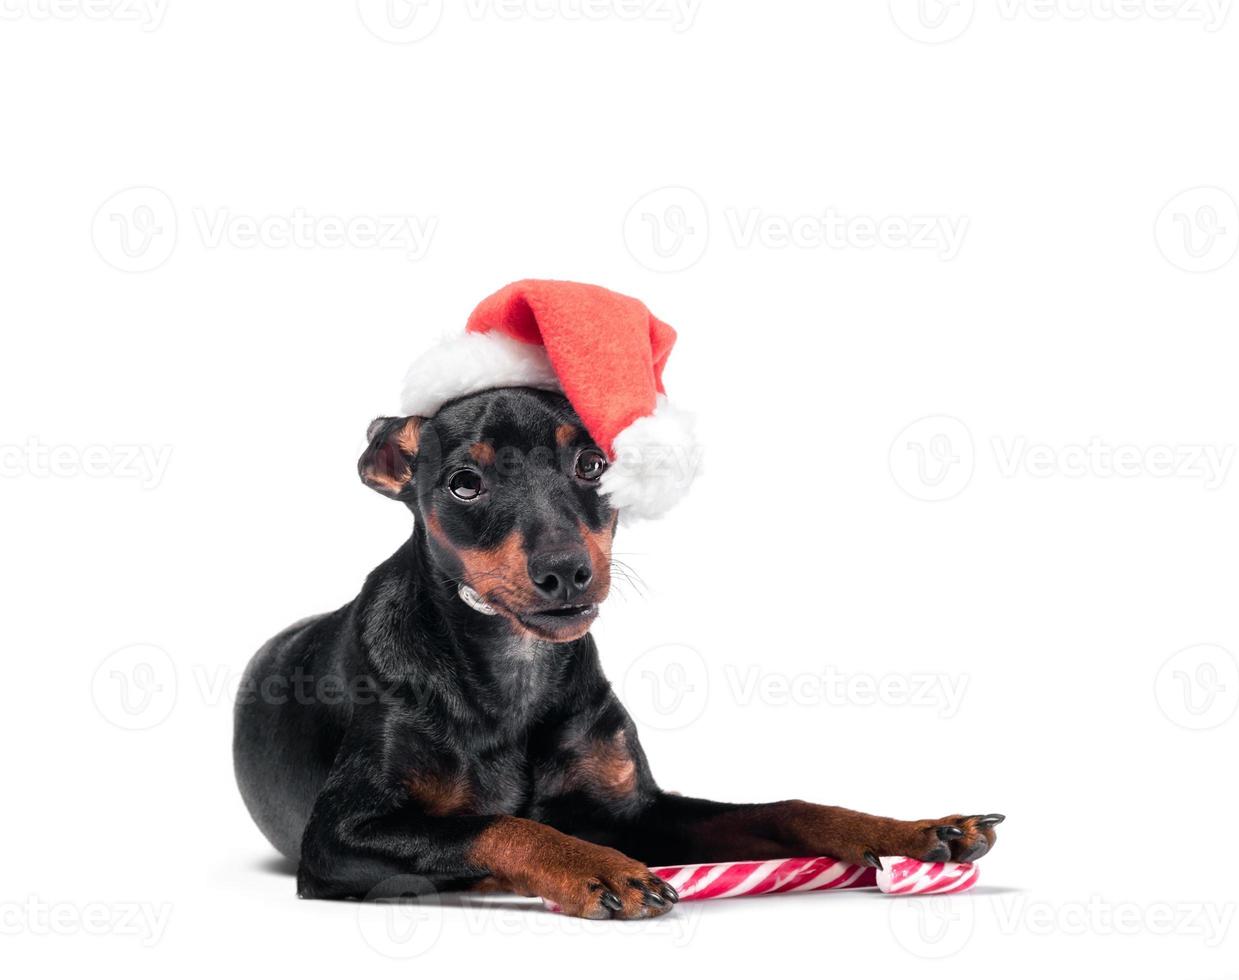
[904, 876]
[735, 878]
[899, 876]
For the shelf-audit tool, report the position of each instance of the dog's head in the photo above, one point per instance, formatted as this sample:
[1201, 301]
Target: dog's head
[505, 483]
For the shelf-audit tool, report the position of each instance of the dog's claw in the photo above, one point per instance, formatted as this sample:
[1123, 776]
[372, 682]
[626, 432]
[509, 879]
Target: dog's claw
[649, 895]
[948, 833]
[611, 901]
[991, 819]
[977, 850]
[872, 860]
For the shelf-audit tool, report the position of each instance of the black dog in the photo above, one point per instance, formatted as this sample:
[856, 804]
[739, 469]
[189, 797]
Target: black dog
[453, 722]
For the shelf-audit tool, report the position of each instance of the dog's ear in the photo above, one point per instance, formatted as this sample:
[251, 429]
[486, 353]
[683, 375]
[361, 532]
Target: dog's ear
[387, 463]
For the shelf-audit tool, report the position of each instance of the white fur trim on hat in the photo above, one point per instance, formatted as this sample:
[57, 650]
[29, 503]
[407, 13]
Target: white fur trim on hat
[473, 362]
[656, 458]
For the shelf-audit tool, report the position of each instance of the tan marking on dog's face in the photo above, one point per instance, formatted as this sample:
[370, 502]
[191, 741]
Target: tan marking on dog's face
[439, 796]
[435, 528]
[483, 453]
[598, 544]
[500, 573]
[564, 435]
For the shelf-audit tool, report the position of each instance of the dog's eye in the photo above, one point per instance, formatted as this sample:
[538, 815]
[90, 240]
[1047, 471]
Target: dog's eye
[590, 464]
[465, 485]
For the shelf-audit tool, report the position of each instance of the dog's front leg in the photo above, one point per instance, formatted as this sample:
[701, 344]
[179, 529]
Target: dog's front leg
[677, 830]
[365, 840]
[512, 853]
[583, 878]
[598, 785]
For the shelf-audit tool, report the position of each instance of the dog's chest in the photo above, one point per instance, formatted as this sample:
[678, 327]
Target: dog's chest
[520, 682]
[490, 780]
[502, 781]
[483, 760]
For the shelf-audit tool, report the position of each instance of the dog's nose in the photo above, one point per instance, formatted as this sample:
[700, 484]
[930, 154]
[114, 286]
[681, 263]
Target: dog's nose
[561, 575]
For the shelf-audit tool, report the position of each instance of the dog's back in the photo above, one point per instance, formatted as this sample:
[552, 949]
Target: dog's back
[285, 733]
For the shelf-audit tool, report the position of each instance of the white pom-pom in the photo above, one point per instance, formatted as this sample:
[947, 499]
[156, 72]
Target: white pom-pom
[655, 460]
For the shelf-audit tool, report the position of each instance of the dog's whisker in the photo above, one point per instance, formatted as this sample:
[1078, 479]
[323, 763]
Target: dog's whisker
[630, 575]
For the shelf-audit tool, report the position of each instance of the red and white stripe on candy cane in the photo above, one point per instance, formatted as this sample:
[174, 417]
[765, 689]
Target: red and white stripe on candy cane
[731, 879]
[904, 876]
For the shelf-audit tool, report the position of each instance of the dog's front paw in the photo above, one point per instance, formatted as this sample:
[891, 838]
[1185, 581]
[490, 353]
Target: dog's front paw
[953, 838]
[601, 883]
[861, 838]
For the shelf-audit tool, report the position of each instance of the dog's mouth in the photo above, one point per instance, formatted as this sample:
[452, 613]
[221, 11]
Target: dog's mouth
[559, 623]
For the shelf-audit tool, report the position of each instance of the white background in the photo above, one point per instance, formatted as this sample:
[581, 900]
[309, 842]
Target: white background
[1073, 350]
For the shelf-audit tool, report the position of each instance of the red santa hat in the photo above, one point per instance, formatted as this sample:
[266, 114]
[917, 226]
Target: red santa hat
[605, 352]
